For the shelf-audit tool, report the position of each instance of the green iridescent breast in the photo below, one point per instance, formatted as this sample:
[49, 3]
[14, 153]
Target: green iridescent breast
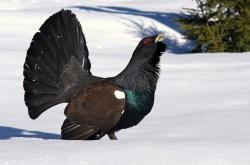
[141, 102]
[138, 105]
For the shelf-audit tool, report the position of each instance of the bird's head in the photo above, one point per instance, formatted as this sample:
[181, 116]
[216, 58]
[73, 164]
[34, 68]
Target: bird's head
[142, 72]
[150, 49]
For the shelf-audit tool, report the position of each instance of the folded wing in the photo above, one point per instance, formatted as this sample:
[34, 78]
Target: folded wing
[93, 112]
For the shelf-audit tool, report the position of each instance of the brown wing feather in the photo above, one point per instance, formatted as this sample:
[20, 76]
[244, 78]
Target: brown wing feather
[72, 131]
[94, 109]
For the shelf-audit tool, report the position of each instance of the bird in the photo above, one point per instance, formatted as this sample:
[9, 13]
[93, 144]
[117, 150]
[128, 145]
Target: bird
[57, 70]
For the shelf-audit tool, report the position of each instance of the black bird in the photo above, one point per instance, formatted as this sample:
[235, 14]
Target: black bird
[57, 70]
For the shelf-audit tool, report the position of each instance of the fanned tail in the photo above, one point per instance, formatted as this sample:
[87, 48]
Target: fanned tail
[57, 63]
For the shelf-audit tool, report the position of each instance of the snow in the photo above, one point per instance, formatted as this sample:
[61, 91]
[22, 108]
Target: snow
[201, 114]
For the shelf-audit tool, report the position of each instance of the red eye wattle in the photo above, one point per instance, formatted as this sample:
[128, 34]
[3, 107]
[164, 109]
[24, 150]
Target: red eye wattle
[147, 41]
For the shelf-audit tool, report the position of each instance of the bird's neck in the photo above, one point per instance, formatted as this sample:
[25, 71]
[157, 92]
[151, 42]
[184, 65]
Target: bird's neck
[138, 76]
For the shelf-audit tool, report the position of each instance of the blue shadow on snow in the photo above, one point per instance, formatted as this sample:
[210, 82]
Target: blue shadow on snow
[141, 30]
[165, 18]
[9, 132]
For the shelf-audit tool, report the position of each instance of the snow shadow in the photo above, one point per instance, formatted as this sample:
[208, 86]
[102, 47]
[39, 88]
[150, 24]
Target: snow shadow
[10, 132]
[165, 18]
[139, 29]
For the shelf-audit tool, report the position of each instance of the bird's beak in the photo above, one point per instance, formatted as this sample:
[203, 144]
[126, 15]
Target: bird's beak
[159, 38]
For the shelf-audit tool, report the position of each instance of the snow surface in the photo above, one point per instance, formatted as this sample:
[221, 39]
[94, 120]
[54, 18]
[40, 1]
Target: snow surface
[201, 114]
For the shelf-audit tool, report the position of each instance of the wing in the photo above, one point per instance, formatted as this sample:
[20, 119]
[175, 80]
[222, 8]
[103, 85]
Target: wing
[56, 64]
[95, 110]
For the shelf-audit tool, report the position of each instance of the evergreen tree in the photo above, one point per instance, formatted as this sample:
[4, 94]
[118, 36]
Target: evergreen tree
[218, 25]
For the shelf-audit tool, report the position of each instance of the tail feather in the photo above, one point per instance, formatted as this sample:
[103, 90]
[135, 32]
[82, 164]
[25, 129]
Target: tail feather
[47, 71]
[56, 64]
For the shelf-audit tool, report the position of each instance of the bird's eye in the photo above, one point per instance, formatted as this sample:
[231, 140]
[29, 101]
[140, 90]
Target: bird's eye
[147, 41]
